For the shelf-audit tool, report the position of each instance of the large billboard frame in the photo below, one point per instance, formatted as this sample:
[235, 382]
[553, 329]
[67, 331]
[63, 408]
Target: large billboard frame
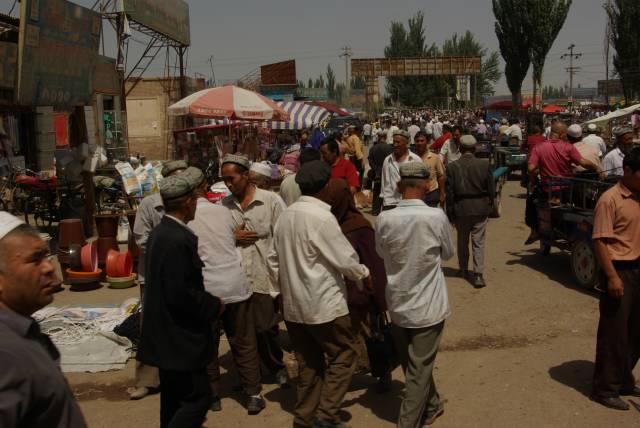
[430, 66]
[170, 18]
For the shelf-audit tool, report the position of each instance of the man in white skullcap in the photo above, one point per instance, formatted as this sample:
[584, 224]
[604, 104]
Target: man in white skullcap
[260, 175]
[33, 390]
[595, 140]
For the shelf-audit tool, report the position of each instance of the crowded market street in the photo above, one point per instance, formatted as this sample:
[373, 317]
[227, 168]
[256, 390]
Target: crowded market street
[518, 353]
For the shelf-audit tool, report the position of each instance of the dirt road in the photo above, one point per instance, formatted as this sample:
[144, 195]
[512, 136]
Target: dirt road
[518, 353]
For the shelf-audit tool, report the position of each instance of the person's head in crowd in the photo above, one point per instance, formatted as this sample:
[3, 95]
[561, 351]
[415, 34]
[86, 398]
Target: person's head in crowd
[313, 176]
[27, 276]
[592, 128]
[235, 174]
[422, 143]
[468, 144]
[414, 178]
[631, 167]
[624, 139]
[197, 178]
[308, 154]
[537, 130]
[400, 143]
[260, 175]
[574, 133]
[330, 150]
[559, 131]
[178, 196]
[173, 167]
[382, 137]
[304, 139]
[457, 133]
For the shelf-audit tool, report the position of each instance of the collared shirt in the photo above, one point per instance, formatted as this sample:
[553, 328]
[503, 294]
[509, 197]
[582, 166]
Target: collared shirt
[289, 189]
[355, 146]
[345, 170]
[597, 143]
[450, 151]
[149, 214]
[310, 254]
[413, 239]
[617, 222]
[391, 177]
[33, 391]
[436, 169]
[223, 274]
[260, 216]
[612, 163]
[514, 131]
[554, 158]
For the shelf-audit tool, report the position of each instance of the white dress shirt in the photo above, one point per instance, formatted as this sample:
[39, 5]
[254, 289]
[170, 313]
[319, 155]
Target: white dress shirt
[222, 271]
[391, 177]
[597, 143]
[413, 239]
[260, 216]
[515, 131]
[612, 163]
[309, 256]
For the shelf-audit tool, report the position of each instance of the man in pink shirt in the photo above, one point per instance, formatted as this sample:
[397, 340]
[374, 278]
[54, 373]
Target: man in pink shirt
[552, 158]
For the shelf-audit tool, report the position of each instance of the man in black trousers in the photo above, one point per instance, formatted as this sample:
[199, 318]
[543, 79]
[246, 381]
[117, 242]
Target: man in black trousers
[176, 333]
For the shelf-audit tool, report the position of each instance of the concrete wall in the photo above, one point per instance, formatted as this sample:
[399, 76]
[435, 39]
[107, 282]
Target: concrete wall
[150, 129]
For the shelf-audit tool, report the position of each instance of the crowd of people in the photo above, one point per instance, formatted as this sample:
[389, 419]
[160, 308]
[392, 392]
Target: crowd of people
[307, 256]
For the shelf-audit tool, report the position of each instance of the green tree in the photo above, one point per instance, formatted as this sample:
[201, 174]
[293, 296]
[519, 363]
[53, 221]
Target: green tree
[624, 16]
[339, 93]
[467, 45]
[513, 34]
[545, 20]
[310, 83]
[331, 82]
[358, 82]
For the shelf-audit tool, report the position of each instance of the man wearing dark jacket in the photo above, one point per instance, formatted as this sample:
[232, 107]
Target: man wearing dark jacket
[176, 335]
[377, 155]
[470, 193]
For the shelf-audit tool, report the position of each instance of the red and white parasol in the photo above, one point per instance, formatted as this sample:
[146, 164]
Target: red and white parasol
[231, 102]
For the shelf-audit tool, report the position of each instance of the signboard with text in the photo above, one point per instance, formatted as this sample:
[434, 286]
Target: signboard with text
[167, 17]
[280, 73]
[59, 43]
[8, 67]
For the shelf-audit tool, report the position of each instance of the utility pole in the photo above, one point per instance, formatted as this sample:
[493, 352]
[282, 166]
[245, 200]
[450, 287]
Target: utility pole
[347, 53]
[571, 69]
[607, 45]
[213, 74]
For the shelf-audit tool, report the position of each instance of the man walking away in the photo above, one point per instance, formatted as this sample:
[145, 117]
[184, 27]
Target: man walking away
[470, 194]
[33, 391]
[310, 255]
[413, 240]
[377, 155]
[435, 196]
[176, 332]
[594, 140]
[616, 234]
[391, 169]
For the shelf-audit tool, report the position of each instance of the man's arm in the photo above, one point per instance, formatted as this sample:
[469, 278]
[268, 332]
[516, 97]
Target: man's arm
[273, 265]
[334, 247]
[615, 287]
[447, 250]
[450, 192]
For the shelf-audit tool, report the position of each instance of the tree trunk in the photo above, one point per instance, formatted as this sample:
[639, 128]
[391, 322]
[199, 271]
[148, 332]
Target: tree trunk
[535, 92]
[515, 104]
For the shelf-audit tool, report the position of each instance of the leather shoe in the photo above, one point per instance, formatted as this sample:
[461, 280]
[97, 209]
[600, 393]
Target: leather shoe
[255, 404]
[478, 281]
[535, 236]
[137, 393]
[216, 404]
[634, 392]
[463, 273]
[430, 419]
[611, 402]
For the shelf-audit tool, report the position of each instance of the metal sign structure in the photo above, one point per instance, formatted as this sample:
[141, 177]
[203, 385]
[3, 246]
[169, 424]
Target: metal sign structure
[167, 17]
[463, 88]
[372, 68]
[53, 35]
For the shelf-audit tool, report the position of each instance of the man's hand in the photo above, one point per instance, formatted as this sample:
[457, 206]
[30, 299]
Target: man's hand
[245, 237]
[367, 284]
[615, 287]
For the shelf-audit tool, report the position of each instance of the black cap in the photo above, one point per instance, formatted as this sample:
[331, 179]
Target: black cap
[313, 176]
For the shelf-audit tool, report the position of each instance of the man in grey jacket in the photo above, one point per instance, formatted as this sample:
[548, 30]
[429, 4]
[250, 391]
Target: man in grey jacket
[470, 194]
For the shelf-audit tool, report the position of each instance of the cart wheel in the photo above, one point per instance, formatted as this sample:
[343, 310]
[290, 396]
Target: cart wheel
[584, 266]
[496, 210]
[545, 249]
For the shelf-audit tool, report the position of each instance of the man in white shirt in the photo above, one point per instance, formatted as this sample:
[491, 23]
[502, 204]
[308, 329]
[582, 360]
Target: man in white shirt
[224, 278]
[310, 255]
[413, 130]
[413, 240]
[437, 129]
[390, 130]
[450, 151]
[594, 140]
[612, 162]
[366, 133]
[391, 171]
[255, 212]
[514, 131]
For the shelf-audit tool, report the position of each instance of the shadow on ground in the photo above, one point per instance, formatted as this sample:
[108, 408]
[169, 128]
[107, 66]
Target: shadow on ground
[556, 266]
[575, 374]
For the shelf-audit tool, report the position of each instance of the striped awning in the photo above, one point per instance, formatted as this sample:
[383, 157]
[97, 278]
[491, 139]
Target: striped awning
[301, 115]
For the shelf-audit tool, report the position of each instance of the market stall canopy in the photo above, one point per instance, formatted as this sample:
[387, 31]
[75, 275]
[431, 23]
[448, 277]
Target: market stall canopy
[551, 108]
[301, 115]
[506, 105]
[618, 114]
[332, 108]
[229, 102]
